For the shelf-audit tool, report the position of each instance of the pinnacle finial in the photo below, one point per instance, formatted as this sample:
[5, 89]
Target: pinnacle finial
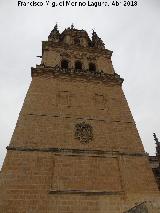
[157, 145]
[155, 138]
[94, 34]
[56, 26]
[72, 26]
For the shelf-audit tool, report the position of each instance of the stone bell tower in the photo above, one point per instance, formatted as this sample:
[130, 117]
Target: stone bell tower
[75, 147]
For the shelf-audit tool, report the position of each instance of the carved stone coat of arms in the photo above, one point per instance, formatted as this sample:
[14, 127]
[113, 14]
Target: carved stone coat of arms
[83, 132]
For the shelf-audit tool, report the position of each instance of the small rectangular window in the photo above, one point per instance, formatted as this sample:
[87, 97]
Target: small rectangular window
[99, 101]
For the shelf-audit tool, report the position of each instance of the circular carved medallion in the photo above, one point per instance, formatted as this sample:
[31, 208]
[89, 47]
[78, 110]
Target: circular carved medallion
[83, 132]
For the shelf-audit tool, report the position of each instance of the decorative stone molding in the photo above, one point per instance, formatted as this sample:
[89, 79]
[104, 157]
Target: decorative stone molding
[76, 37]
[46, 45]
[86, 192]
[65, 55]
[76, 151]
[42, 70]
[83, 132]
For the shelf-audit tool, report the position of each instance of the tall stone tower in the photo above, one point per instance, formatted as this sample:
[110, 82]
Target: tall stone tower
[75, 148]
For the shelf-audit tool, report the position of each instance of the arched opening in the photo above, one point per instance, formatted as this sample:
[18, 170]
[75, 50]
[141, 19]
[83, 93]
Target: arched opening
[78, 65]
[64, 64]
[92, 67]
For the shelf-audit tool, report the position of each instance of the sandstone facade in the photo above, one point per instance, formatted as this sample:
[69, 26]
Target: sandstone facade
[75, 147]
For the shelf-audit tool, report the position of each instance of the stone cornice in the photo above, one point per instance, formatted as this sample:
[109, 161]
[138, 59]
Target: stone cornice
[85, 192]
[75, 152]
[45, 71]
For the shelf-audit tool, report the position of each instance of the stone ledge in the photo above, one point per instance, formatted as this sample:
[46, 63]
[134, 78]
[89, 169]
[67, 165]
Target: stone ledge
[94, 153]
[86, 192]
[46, 71]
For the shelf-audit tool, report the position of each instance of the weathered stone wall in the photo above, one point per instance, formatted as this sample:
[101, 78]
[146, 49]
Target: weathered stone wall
[32, 181]
[48, 169]
[44, 181]
[54, 106]
[54, 55]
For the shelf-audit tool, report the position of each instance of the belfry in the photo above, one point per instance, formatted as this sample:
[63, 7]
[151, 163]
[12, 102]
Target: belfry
[75, 148]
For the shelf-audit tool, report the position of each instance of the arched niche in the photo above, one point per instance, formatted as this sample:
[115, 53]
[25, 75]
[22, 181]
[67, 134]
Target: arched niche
[92, 66]
[78, 65]
[64, 64]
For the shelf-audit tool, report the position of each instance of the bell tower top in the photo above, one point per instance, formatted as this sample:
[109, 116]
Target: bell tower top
[75, 140]
[74, 52]
[72, 36]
